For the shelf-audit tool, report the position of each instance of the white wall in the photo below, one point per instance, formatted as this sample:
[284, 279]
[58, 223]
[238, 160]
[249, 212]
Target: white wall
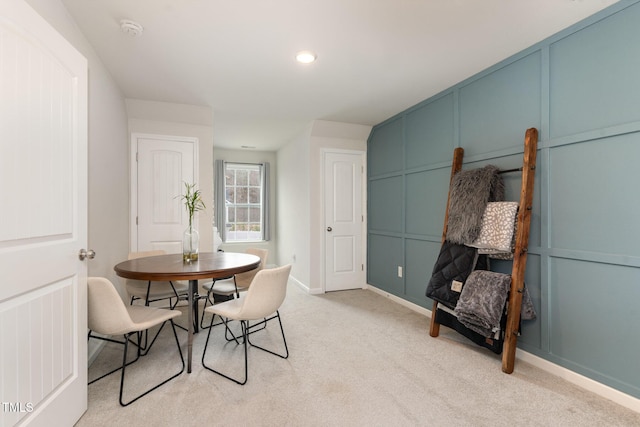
[328, 135]
[162, 118]
[251, 156]
[300, 203]
[298, 220]
[293, 207]
[108, 150]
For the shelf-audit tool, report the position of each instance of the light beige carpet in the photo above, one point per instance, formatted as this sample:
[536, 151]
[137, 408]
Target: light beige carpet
[356, 359]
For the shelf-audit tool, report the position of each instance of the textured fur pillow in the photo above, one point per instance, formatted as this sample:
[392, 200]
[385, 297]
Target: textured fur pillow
[496, 231]
[468, 197]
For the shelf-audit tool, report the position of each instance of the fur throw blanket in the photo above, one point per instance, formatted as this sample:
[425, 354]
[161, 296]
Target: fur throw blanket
[482, 301]
[469, 194]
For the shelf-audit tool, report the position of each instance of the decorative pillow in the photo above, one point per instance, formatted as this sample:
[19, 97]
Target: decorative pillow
[496, 231]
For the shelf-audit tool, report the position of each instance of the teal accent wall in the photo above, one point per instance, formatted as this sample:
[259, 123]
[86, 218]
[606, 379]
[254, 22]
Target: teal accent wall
[581, 89]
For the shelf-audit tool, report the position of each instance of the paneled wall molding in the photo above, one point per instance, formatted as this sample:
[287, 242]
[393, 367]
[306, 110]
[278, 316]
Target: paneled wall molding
[580, 88]
[593, 135]
[441, 165]
[492, 156]
[385, 176]
[427, 238]
[602, 258]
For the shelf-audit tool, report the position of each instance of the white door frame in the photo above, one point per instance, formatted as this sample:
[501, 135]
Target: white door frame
[323, 261]
[133, 188]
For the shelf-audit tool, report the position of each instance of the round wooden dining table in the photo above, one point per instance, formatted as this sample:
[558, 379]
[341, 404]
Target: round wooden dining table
[210, 265]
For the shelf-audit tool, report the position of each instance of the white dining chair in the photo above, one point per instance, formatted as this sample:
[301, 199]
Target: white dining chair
[150, 292]
[232, 286]
[261, 302]
[109, 316]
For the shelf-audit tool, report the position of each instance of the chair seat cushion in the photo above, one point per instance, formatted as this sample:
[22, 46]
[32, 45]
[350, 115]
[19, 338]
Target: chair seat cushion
[222, 287]
[147, 317]
[232, 309]
[229, 309]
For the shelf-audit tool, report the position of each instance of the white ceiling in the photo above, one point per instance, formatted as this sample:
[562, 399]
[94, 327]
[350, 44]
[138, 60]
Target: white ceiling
[375, 57]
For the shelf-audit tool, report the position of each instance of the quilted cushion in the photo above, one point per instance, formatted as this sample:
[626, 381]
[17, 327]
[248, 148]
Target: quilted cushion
[455, 262]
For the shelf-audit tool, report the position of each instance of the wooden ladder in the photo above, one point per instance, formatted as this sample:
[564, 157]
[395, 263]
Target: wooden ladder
[521, 245]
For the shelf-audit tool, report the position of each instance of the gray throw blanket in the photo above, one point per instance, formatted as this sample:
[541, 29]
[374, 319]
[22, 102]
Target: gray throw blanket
[527, 310]
[469, 194]
[482, 301]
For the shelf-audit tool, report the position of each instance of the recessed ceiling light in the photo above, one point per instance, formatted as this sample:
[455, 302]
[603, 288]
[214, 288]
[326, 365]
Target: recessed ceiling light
[248, 147]
[306, 57]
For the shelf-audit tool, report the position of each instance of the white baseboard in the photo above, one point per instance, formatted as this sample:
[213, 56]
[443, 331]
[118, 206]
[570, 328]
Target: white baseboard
[400, 301]
[95, 347]
[593, 386]
[304, 287]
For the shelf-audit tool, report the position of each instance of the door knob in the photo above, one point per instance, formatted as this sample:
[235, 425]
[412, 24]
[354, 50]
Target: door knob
[91, 254]
[329, 229]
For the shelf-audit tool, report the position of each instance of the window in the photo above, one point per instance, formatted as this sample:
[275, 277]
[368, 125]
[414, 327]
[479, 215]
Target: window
[244, 202]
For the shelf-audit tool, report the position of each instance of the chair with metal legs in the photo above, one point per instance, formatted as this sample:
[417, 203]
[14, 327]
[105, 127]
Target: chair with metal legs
[148, 292]
[232, 286]
[108, 316]
[261, 302]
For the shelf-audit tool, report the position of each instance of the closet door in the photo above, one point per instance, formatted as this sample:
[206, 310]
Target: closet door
[344, 221]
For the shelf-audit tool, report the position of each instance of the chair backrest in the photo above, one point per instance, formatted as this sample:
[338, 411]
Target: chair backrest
[243, 280]
[135, 255]
[266, 293]
[107, 313]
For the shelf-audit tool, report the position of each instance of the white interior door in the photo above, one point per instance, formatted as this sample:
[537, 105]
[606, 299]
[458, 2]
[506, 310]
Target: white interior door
[163, 165]
[344, 268]
[43, 222]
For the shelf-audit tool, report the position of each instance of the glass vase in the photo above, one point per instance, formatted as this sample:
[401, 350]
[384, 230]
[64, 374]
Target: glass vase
[190, 242]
